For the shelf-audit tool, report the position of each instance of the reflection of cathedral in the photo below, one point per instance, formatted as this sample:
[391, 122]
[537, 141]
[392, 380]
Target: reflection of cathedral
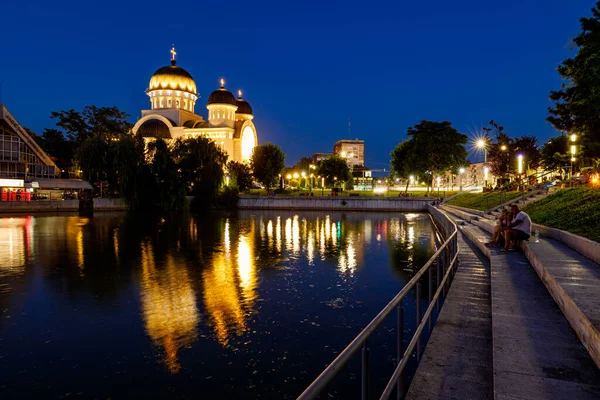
[173, 96]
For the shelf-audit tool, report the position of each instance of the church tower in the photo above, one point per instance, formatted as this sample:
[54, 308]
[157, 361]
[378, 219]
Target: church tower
[221, 108]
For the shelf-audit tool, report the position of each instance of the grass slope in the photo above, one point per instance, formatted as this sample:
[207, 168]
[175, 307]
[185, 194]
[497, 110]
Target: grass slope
[575, 210]
[483, 201]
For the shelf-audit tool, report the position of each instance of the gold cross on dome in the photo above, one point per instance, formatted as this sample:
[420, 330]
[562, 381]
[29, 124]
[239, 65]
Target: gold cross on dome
[173, 53]
[240, 94]
[222, 82]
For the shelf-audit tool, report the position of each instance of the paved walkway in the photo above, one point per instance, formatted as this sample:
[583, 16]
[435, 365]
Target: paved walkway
[536, 353]
[457, 362]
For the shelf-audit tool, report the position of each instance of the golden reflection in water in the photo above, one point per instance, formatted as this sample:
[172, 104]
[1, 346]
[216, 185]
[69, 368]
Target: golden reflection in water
[278, 234]
[230, 287]
[168, 305]
[116, 243]
[15, 244]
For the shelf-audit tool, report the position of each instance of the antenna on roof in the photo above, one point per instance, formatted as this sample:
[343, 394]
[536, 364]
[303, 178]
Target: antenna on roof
[349, 136]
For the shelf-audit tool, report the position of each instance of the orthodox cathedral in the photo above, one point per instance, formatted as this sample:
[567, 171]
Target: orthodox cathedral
[173, 96]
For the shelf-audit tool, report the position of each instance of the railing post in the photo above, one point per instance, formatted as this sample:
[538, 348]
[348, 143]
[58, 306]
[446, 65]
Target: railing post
[400, 347]
[366, 371]
[439, 266]
[418, 320]
[430, 289]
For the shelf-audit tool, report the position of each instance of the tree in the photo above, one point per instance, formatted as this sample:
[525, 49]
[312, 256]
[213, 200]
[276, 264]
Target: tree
[577, 103]
[201, 164]
[240, 175]
[168, 189]
[439, 146]
[267, 161]
[104, 122]
[554, 155]
[405, 161]
[334, 167]
[303, 165]
[54, 143]
[133, 171]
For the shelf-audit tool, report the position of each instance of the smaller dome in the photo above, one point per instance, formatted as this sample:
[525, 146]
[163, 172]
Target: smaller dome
[243, 105]
[221, 96]
[154, 128]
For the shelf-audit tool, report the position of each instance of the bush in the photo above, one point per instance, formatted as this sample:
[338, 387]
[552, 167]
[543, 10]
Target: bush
[228, 198]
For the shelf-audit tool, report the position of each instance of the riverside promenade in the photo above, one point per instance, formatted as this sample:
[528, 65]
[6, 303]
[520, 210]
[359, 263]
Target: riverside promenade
[543, 308]
[334, 203]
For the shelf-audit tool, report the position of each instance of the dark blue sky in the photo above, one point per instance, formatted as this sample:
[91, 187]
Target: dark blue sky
[305, 67]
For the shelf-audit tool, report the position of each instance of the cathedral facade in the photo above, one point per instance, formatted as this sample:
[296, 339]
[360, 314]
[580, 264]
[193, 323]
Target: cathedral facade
[173, 95]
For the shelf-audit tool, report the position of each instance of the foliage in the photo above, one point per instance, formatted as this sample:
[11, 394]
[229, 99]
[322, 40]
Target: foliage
[104, 122]
[405, 162]
[169, 189]
[228, 198]
[438, 147]
[483, 201]
[503, 151]
[200, 163]
[576, 104]
[303, 165]
[54, 143]
[133, 171]
[334, 167]
[267, 162]
[575, 210]
[554, 154]
[240, 175]
[94, 157]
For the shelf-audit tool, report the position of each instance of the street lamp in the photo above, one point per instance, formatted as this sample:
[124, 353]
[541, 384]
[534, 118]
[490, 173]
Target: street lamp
[520, 169]
[485, 174]
[461, 172]
[289, 178]
[573, 152]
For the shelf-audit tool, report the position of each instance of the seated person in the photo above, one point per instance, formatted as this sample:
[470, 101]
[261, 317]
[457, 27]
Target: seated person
[501, 225]
[519, 228]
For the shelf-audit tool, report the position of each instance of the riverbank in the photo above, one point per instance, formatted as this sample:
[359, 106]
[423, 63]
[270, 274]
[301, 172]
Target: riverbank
[45, 206]
[335, 203]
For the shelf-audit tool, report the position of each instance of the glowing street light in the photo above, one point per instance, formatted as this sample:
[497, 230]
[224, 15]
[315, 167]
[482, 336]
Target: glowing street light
[573, 152]
[461, 172]
[503, 147]
[520, 169]
[485, 174]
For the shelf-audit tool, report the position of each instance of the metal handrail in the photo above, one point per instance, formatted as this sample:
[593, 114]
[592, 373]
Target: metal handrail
[447, 256]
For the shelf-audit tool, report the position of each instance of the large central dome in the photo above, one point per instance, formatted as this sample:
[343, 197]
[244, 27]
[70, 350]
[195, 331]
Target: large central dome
[172, 77]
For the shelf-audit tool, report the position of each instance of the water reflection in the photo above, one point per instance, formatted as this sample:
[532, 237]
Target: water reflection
[168, 304]
[229, 283]
[16, 245]
[207, 286]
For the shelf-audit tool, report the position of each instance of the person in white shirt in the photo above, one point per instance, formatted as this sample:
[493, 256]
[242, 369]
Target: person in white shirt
[519, 228]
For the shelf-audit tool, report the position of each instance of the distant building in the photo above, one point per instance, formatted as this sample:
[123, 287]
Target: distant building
[315, 158]
[173, 95]
[20, 156]
[352, 150]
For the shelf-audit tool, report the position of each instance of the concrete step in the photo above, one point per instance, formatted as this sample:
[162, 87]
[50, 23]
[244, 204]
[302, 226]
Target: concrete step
[536, 353]
[574, 282]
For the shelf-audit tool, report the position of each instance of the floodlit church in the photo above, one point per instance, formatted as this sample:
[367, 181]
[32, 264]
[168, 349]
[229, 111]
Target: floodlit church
[173, 96]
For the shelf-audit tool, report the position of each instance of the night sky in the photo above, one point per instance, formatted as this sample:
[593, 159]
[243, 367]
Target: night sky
[305, 67]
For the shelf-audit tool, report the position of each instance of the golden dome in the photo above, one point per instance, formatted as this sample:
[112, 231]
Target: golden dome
[172, 77]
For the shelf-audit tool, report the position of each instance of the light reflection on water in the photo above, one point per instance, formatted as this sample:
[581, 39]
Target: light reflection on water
[223, 280]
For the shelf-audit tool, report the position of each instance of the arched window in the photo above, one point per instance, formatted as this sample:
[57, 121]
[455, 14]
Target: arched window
[169, 103]
[177, 103]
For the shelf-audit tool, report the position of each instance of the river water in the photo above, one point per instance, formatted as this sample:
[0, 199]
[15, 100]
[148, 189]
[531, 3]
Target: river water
[245, 305]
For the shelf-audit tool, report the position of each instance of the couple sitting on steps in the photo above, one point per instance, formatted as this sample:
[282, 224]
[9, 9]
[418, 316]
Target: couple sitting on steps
[511, 225]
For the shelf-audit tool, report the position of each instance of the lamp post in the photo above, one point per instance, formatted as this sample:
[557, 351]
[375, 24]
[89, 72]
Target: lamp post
[461, 171]
[520, 169]
[573, 138]
[289, 178]
[481, 144]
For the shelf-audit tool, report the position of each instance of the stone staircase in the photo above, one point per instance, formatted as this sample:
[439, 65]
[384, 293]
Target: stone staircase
[545, 312]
